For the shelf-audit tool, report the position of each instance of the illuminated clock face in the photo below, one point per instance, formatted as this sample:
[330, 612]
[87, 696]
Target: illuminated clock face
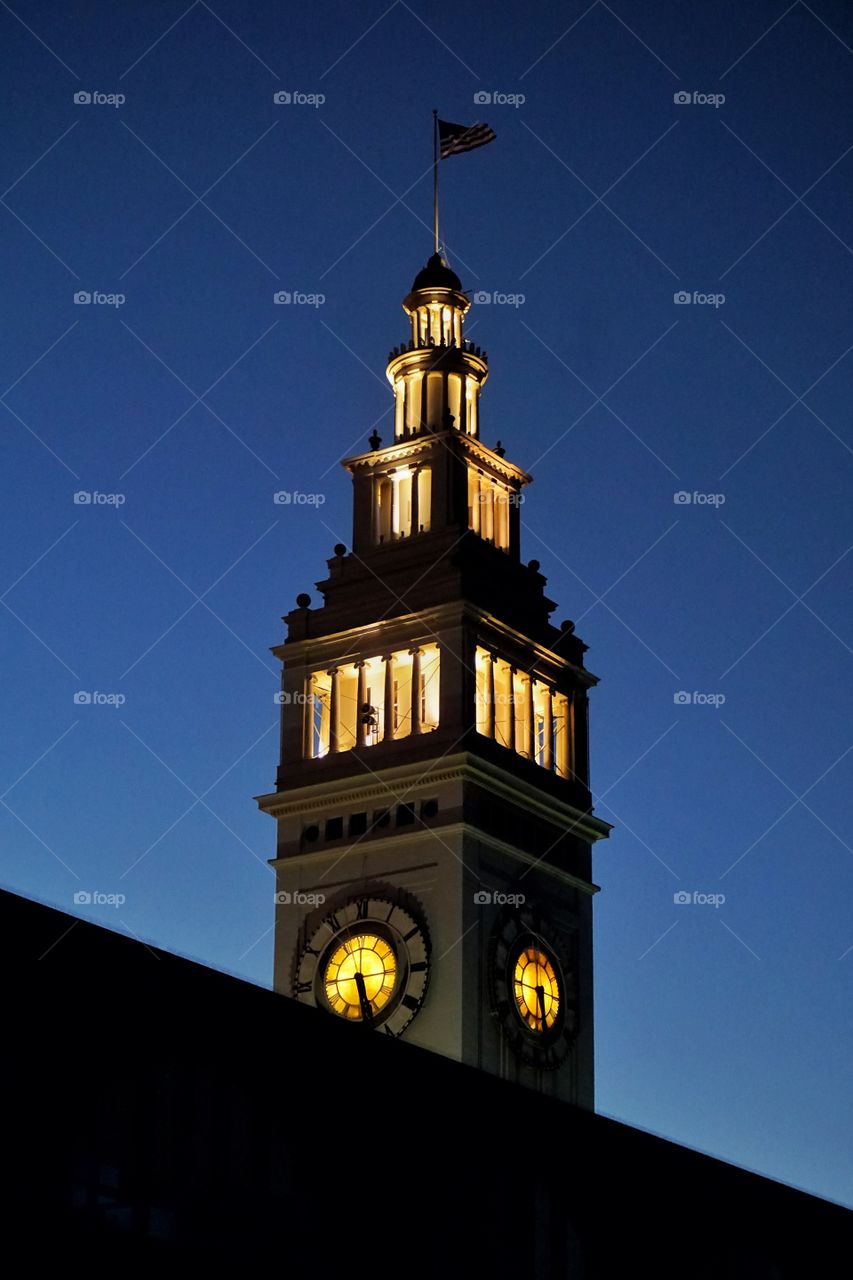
[536, 988]
[533, 988]
[360, 976]
[367, 962]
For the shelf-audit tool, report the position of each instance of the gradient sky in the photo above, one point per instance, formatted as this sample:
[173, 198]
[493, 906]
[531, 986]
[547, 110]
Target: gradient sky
[726, 1027]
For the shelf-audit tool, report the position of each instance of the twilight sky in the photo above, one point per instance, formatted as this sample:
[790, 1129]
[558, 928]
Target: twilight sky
[183, 197]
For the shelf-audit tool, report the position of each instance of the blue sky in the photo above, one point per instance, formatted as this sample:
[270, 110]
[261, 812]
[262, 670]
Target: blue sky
[187, 397]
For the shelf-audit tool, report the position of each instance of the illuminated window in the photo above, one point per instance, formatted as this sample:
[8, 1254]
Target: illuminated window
[488, 508]
[359, 704]
[522, 713]
[402, 501]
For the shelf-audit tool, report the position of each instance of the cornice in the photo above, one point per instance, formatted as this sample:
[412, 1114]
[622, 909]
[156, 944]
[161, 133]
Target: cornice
[407, 780]
[424, 834]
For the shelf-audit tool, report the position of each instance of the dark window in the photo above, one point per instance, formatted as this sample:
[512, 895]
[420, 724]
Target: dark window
[357, 824]
[405, 815]
[334, 828]
[382, 818]
[429, 808]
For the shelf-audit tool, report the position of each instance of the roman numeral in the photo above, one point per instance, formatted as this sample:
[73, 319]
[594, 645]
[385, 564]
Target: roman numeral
[332, 922]
[411, 933]
[419, 967]
[301, 988]
[362, 909]
[411, 1002]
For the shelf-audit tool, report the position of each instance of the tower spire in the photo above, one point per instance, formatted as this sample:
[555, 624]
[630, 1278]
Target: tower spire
[435, 159]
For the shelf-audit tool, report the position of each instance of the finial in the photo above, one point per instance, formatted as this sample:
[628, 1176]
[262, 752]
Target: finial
[448, 419]
[303, 600]
[375, 440]
[340, 549]
[499, 449]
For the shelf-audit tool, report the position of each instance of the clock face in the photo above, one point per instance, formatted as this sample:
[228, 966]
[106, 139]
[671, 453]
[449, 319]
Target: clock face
[533, 988]
[368, 962]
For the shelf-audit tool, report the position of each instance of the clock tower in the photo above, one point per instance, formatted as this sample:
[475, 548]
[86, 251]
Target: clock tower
[435, 827]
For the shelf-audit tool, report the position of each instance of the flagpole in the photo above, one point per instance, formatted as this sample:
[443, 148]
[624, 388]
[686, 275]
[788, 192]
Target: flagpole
[435, 177]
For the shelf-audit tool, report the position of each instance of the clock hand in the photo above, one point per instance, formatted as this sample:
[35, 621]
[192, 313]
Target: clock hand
[540, 999]
[366, 1010]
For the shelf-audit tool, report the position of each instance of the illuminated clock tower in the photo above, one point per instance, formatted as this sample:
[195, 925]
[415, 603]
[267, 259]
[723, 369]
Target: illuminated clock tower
[433, 868]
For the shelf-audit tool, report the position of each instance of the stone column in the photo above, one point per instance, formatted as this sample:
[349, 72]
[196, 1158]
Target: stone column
[334, 712]
[388, 709]
[416, 690]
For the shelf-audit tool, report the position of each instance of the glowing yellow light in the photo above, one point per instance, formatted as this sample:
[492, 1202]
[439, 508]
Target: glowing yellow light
[536, 990]
[374, 961]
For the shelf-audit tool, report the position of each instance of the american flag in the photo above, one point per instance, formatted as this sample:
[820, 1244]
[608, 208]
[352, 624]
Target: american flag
[456, 138]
